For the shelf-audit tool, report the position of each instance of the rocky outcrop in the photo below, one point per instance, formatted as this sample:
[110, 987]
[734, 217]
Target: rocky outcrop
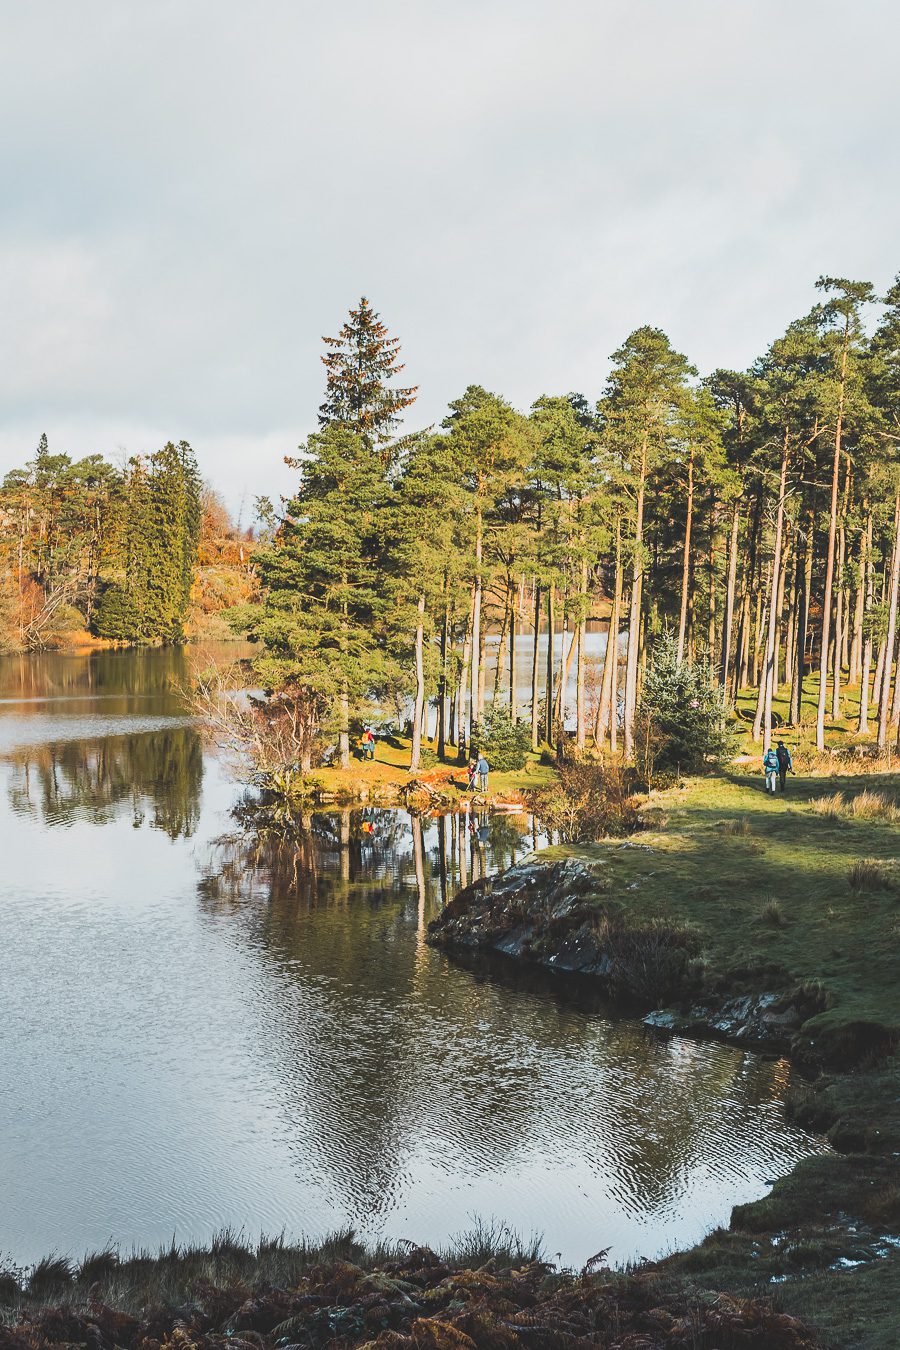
[558, 916]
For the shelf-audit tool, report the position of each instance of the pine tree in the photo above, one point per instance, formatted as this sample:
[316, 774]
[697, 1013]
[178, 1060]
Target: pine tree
[362, 362]
[641, 412]
[323, 579]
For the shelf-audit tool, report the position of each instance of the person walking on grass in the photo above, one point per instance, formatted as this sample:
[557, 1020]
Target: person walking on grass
[483, 769]
[785, 763]
[770, 769]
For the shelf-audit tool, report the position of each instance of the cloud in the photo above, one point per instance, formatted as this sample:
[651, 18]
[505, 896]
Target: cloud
[197, 191]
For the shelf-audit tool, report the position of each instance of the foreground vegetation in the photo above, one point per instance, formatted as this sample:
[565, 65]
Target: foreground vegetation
[725, 893]
[487, 1292]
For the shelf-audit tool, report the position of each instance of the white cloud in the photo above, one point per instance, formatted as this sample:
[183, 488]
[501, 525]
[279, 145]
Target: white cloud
[197, 190]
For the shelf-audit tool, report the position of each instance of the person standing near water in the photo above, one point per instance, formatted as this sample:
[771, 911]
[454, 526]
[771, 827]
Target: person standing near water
[770, 769]
[483, 769]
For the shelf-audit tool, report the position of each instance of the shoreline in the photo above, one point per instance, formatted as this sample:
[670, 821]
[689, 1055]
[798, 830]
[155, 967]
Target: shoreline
[826, 1238]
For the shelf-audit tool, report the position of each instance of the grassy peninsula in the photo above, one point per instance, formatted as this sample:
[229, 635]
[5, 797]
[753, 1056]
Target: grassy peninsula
[796, 899]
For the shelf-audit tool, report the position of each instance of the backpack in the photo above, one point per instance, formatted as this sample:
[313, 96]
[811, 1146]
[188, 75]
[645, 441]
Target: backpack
[770, 763]
[783, 755]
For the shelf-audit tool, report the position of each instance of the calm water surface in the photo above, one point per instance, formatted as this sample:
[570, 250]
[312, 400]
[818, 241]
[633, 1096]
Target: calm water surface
[197, 1032]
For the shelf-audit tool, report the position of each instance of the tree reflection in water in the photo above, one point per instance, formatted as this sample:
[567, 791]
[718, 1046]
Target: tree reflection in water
[155, 773]
[402, 1072]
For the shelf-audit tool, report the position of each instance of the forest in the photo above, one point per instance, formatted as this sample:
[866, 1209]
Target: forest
[743, 522]
[139, 553]
[746, 521]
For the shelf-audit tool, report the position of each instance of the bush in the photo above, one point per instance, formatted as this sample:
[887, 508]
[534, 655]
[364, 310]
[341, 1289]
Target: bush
[504, 743]
[868, 875]
[587, 801]
[681, 723]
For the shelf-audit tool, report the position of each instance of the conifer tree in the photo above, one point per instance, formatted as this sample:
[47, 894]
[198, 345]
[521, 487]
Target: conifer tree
[323, 579]
[641, 412]
[362, 363]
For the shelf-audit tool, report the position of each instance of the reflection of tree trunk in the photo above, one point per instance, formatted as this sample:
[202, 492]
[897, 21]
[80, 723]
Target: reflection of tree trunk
[535, 668]
[443, 822]
[462, 844]
[419, 864]
[419, 705]
[345, 845]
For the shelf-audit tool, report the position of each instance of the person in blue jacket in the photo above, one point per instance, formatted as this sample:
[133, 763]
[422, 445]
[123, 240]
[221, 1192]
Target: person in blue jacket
[770, 769]
[483, 769]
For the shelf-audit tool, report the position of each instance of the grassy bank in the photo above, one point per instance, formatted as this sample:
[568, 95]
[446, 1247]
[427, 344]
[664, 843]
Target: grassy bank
[798, 896]
[388, 775]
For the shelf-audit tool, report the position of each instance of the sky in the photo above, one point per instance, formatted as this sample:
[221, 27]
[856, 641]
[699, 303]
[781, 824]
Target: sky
[195, 191]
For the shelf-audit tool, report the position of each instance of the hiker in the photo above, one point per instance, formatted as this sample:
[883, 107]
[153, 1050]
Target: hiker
[368, 744]
[770, 769]
[483, 769]
[471, 774]
[785, 763]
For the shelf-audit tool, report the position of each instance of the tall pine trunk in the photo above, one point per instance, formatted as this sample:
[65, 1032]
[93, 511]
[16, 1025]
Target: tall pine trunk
[535, 671]
[686, 558]
[867, 591]
[884, 701]
[634, 613]
[548, 689]
[729, 597]
[829, 559]
[580, 726]
[513, 656]
[606, 711]
[475, 690]
[419, 705]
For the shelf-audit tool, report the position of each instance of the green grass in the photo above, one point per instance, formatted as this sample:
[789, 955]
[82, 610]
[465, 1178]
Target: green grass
[840, 734]
[390, 769]
[730, 859]
[786, 892]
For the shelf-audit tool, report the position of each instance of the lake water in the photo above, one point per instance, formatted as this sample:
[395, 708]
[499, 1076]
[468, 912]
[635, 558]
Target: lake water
[197, 1030]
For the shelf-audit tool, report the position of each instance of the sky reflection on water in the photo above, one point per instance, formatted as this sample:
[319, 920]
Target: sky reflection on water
[199, 1030]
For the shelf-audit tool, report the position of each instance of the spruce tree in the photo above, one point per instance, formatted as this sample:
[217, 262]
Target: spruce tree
[323, 579]
[362, 362]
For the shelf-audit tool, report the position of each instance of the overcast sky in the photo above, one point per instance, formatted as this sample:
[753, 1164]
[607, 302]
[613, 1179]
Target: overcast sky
[194, 191]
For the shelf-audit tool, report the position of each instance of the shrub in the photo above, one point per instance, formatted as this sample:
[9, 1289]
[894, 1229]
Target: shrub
[868, 875]
[504, 743]
[587, 801]
[831, 807]
[650, 962]
[49, 1277]
[681, 723]
[737, 828]
[773, 914]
